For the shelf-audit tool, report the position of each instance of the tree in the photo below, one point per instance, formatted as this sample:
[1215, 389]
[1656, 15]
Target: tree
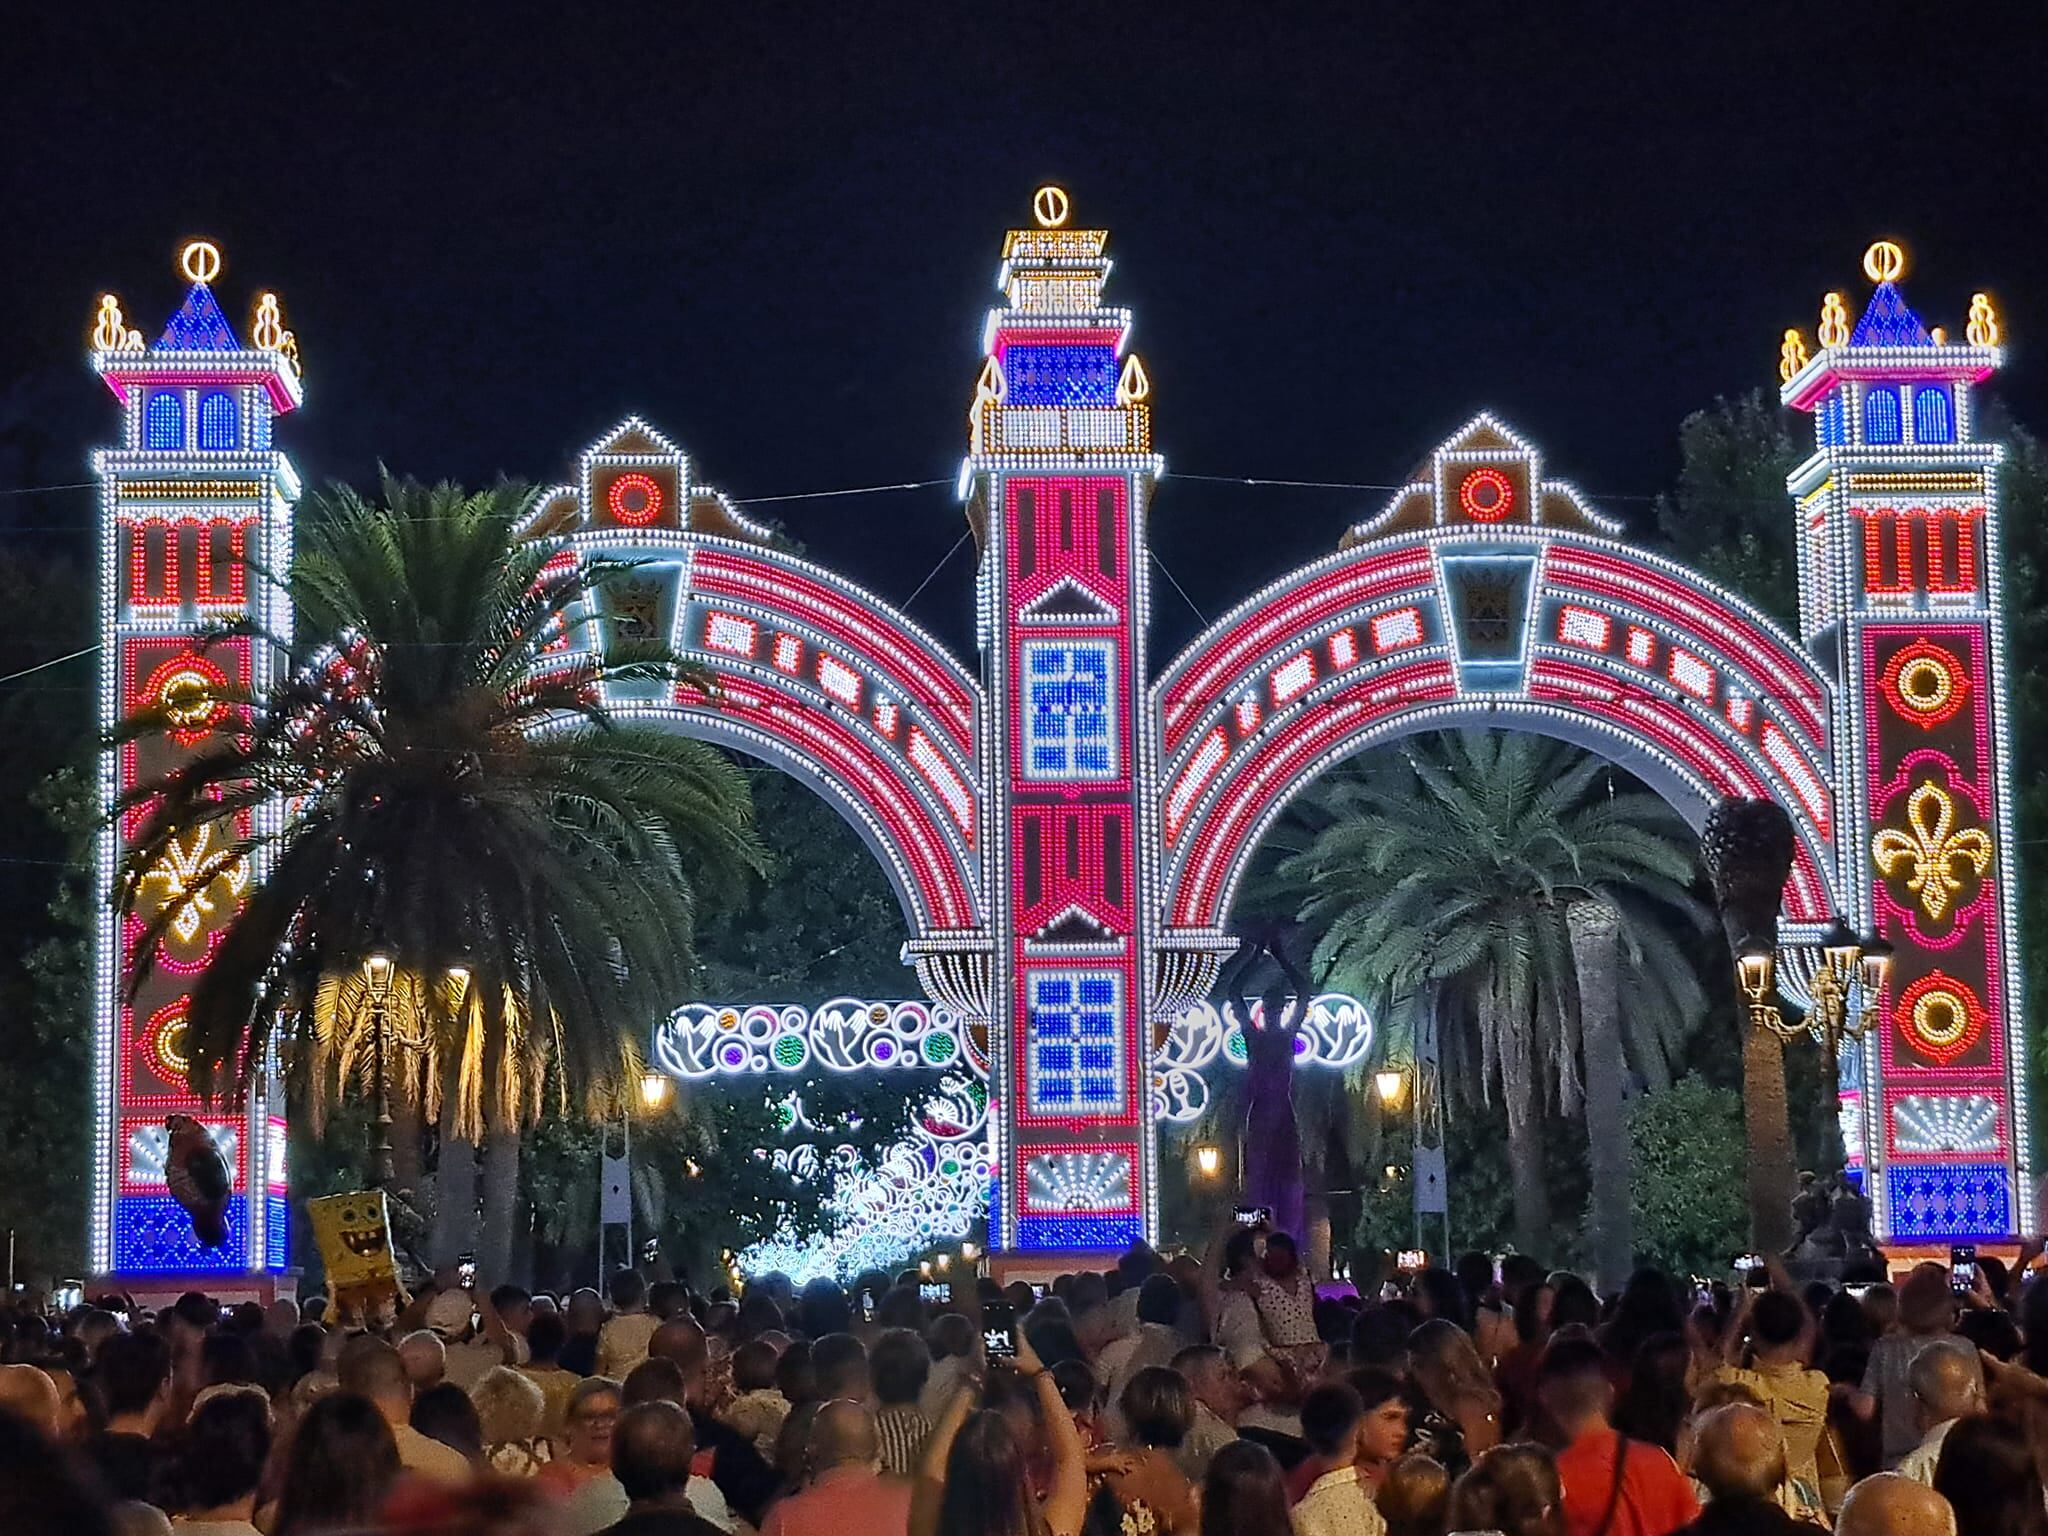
[449, 789]
[1595, 928]
[1456, 863]
[1728, 515]
[1689, 1216]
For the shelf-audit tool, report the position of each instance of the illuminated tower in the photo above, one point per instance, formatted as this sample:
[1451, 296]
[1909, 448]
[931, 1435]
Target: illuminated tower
[1898, 595]
[194, 502]
[1058, 478]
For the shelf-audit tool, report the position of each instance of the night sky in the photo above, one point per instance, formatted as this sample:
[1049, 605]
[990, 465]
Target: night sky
[772, 230]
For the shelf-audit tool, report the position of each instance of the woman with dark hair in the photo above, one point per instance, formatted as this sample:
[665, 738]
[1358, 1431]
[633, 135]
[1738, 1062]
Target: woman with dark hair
[1050, 1327]
[1244, 1493]
[1987, 1473]
[341, 1466]
[1439, 1293]
[824, 1309]
[1512, 1489]
[1515, 1372]
[972, 1478]
[1460, 1415]
[1656, 1401]
[1648, 1306]
[1572, 1302]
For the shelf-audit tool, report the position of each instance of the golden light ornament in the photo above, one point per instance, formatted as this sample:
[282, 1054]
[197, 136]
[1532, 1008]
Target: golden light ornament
[1982, 329]
[1931, 847]
[1833, 330]
[1791, 355]
[1884, 262]
[200, 260]
[1050, 207]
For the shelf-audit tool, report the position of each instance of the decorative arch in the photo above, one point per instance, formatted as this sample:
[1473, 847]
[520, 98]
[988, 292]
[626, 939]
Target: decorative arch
[792, 665]
[1486, 595]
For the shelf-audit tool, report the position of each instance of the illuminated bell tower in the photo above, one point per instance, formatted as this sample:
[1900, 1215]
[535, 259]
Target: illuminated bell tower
[1899, 593]
[1058, 480]
[194, 502]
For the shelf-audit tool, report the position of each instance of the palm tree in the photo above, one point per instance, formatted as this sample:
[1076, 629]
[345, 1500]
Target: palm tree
[1457, 863]
[434, 776]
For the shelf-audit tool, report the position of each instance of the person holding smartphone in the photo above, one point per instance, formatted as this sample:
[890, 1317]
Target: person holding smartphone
[1766, 1347]
[972, 1479]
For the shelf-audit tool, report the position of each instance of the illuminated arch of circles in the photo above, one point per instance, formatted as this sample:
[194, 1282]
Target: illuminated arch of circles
[188, 689]
[1926, 684]
[634, 499]
[1486, 495]
[1940, 1017]
[163, 1042]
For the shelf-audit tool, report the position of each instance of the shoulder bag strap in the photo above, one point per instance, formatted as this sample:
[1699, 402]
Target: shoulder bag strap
[1614, 1494]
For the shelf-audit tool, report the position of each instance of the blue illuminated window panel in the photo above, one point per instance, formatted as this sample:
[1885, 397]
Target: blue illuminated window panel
[1069, 729]
[163, 421]
[217, 420]
[1056, 374]
[1881, 416]
[1074, 1062]
[1934, 417]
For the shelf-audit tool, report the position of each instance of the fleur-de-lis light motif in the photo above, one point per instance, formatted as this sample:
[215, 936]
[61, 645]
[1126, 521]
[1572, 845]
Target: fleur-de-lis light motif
[1930, 846]
[181, 878]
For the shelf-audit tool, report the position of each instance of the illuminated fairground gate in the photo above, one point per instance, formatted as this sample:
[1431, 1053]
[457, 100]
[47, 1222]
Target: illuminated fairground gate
[1065, 830]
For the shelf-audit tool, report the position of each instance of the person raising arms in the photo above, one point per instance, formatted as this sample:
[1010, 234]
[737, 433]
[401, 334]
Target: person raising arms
[971, 1479]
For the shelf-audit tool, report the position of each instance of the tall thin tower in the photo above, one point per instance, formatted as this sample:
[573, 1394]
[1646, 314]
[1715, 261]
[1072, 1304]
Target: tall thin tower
[195, 503]
[1058, 481]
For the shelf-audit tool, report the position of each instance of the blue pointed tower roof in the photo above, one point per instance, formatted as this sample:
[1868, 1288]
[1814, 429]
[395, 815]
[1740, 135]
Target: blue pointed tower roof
[199, 325]
[1888, 321]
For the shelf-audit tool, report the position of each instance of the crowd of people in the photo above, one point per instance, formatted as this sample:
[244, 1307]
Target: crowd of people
[1221, 1394]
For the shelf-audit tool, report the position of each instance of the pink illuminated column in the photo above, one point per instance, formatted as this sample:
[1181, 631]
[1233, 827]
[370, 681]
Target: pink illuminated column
[1058, 478]
[1899, 595]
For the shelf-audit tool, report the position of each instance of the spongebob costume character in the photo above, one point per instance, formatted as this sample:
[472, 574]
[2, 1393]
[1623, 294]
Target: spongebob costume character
[354, 1236]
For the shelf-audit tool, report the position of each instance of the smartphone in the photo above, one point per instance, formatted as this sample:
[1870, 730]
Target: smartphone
[1253, 1215]
[1037, 1292]
[998, 1330]
[465, 1272]
[1409, 1260]
[933, 1293]
[1962, 1267]
[867, 1306]
[1751, 1267]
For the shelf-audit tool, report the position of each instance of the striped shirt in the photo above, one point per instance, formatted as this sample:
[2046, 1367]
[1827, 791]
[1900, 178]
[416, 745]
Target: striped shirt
[900, 1432]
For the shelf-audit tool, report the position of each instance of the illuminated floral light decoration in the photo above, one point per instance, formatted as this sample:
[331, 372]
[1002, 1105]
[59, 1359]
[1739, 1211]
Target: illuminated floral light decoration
[1065, 833]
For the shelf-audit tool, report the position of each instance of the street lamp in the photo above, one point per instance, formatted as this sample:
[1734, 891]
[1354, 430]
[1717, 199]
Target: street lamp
[654, 1090]
[1208, 1160]
[377, 972]
[1756, 972]
[1390, 1083]
[1848, 963]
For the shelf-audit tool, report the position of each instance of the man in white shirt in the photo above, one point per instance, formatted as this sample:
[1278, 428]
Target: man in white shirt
[371, 1369]
[1219, 1398]
[622, 1342]
[1336, 1503]
[1948, 1386]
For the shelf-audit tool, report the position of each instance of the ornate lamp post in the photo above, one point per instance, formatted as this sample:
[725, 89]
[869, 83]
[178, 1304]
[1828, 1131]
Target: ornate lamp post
[1846, 989]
